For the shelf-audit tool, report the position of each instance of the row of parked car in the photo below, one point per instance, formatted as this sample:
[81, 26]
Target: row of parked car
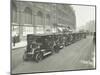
[39, 46]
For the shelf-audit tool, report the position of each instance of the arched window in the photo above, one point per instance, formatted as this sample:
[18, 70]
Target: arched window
[47, 20]
[28, 15]
[39, 22]
[14, 13]
[48, 16]
[40, 14]
[39, 18]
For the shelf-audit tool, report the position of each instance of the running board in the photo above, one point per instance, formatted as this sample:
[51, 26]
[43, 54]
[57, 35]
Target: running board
[47, 53]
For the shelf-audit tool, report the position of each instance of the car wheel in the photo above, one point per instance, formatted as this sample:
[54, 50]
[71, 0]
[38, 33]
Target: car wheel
[38, 57]
[57, 49]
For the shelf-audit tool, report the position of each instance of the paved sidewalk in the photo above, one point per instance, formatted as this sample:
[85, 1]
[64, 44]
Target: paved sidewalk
[19, 45]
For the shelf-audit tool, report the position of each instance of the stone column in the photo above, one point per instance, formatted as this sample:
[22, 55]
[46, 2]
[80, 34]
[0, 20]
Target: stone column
[34, 24]
[21, 23]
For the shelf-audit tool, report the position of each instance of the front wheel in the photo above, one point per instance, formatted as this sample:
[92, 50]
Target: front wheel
[38, 57]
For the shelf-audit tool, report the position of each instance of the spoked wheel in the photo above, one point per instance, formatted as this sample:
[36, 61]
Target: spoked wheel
[38, 57]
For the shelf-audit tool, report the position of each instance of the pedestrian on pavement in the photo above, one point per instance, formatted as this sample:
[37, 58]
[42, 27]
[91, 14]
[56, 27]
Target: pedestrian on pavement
[14, 40]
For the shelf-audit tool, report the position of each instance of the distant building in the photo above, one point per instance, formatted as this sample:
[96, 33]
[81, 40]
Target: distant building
[35, 17]
[89, 26]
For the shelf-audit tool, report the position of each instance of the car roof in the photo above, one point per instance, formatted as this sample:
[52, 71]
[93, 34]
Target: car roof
[39, 34]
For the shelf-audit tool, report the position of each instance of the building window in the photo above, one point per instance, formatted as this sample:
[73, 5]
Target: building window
[47, 20]
[28, 15]
[39, 30]
[39, 18]
[15, 30]
[27, 30]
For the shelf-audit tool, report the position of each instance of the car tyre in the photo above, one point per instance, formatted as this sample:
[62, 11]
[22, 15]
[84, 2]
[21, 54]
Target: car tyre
[38, 57]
